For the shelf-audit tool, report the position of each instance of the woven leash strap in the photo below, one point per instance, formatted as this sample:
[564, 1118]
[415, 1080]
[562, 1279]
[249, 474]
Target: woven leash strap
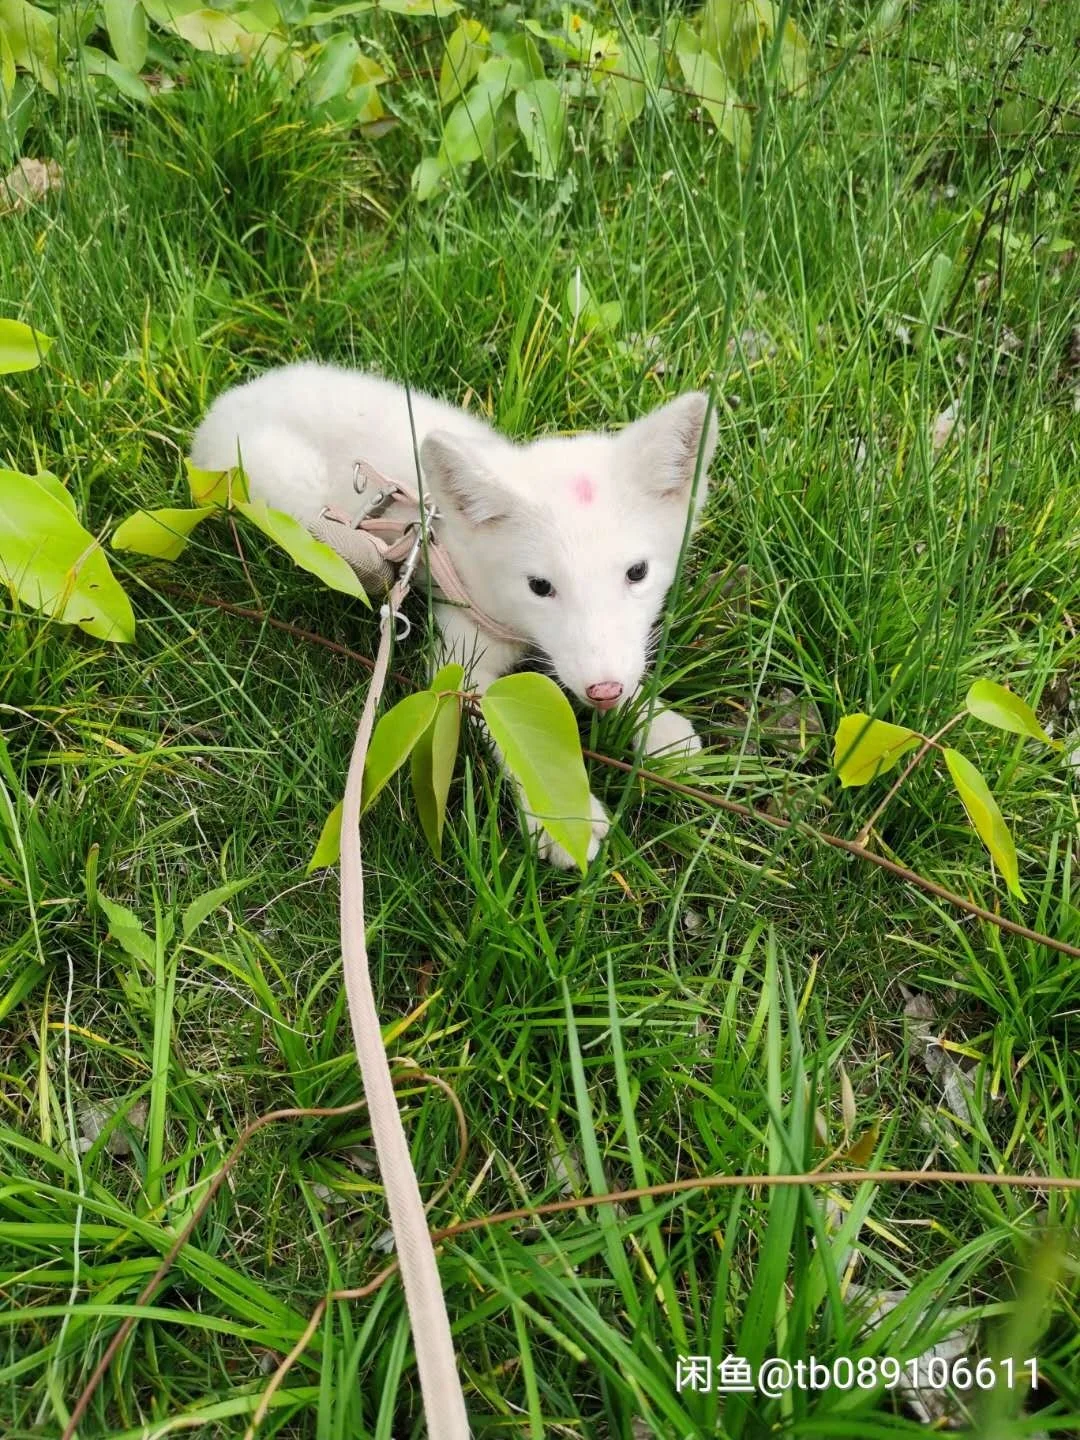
[440, 1385]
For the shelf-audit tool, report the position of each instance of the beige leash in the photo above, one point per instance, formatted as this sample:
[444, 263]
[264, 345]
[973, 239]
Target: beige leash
[440, 1385]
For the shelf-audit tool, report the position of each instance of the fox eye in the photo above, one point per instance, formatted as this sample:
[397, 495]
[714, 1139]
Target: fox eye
[637, 572]
[541, 587]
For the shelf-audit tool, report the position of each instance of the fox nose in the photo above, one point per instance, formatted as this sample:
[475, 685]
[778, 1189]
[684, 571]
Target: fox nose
[605, 695]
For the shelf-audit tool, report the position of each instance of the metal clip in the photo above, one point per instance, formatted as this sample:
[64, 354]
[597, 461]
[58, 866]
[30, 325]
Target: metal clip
[399, 618]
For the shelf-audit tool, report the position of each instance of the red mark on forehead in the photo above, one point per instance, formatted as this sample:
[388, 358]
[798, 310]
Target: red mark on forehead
[583, 490]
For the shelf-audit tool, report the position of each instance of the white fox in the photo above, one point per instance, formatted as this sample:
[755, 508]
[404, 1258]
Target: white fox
[571, 543]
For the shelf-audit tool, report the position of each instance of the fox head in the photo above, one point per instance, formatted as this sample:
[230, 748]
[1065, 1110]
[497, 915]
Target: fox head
[573, 542]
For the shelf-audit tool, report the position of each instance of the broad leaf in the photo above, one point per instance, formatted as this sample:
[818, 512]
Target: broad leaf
[866, 748]
[328, 849]
[30, 34]
[434, 756]
[127, 930]
[21, 348]
[310, 554]
[396, 734]
[541, 116]
[126, 81]
[428, 176]
[585, 311]
[216, 487]
[532, 723]
[125, 20]
[579, 39]
[204, 905]
[331, 75]
[163, 534]
[416, 9]
[625, 94]
[985, 816]
[470, 126]
[708, 82]
[213, 30]
[996, 706]
[55, 565]
[50, 482]
[462, 58]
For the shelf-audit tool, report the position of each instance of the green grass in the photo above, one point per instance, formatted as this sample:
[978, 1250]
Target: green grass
[687, 1007]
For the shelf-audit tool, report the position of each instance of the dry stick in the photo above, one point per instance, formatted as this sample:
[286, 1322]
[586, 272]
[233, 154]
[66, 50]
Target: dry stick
[747, 812]
[642, 1192]
[291, 1113]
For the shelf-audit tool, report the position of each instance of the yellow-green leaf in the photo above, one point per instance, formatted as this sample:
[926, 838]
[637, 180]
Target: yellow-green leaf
[52, 483]
[302, 547]
[984, 814]
[21, 348]
[531, 721]
[541, 117]
[707, 81]
[216, 487]
[163, 534]
[396, 734]
[328, 850]
[996, 706]
[435, 753]
[866, 748]
[125, 20]
[31, 35]
[462, 58]
[55, 565]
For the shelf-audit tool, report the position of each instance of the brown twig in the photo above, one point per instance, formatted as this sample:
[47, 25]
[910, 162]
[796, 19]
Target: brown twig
[642, 1192]
[747, 812]
[297, 631]
[927, 745]
[291, 1113]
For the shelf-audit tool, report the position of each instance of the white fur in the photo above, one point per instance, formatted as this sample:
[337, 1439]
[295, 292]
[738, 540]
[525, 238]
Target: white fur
[509, 512]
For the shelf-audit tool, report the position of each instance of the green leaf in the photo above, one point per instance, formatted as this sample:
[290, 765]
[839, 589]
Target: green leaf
[985, 816]
[127, 930]
[462, 58]
[470, 126]
[50, 482]
[579, 39]
[310, 554]
[434, 756]
[126, 81]
[217, 487]
[996, 706]
[204, 905]
[125, 20]
[396, 734]
[222, 34]
[541, 116]
[708, 82]
[55, 565]
[21, 348]
[328, 849]
[585, 311]
[866, 748]
[428, 176]
[31, 37]
[420, 9]
[163, 534]
[531, 721]
[521, 50]
[332, 72]
[625, 95]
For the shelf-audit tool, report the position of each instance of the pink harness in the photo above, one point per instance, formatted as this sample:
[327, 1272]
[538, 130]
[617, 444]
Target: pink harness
[387, 532]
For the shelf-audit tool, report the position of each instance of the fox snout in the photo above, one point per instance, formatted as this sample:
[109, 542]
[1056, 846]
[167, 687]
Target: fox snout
[604, 695]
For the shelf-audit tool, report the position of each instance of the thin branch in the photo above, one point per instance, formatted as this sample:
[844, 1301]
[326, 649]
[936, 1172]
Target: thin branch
[927, 746]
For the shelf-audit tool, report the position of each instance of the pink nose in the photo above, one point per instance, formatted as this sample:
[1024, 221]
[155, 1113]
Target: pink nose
[605, 695]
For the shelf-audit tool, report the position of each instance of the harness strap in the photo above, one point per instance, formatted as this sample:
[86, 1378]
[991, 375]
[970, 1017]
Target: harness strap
[440, 1384]
[388, 540]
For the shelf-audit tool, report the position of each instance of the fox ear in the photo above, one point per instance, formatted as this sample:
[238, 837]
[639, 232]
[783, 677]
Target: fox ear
[663, 449]
[460, 480]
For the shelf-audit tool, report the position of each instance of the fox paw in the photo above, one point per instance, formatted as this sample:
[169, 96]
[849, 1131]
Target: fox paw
[670, 734]
[551, 851]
